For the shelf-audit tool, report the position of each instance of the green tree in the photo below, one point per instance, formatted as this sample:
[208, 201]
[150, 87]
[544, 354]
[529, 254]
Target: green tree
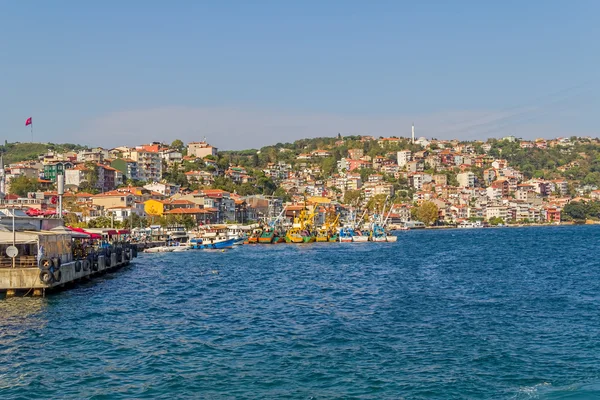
[177, 145]
[282, 194]
[100, 222]
[376, 202]
[328, 166]
[427, 213]
[574, 211]
[135, 221]
[353, 197]
[21, 185]
[496, 221]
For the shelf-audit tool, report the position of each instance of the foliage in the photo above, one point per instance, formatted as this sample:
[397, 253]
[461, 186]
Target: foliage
[21, 185]
[15, 152]
[175, 175]
[426, 213]
[353, 197]
[496, 221]
[91, 176]
[135, 221]
[102, 222]
[376, 202]
[177, 220]
[177, 145]
[578, 211]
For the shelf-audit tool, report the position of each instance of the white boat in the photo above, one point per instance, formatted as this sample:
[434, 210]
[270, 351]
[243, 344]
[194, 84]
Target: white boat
[160, 249]
[181, 247]
[237, 233]
[392, 238]
[379, 238]
[360, 238]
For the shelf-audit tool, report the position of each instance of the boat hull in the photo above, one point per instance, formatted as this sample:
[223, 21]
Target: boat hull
[360, 239]
[224, 244]
[264, 239]
[379, 239]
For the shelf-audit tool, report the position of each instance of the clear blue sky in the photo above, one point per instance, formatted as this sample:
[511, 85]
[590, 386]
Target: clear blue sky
[247, 73]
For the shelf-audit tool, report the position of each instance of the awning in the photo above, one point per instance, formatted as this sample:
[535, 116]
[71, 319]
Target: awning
[123, 231]
[81, 231]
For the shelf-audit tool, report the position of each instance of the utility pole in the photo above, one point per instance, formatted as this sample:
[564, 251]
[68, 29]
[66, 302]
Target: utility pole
[14, 259]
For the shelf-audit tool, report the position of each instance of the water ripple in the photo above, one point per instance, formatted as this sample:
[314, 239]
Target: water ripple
[481, 314]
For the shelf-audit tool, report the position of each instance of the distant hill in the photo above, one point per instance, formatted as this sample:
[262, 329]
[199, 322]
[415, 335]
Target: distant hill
[15, 152]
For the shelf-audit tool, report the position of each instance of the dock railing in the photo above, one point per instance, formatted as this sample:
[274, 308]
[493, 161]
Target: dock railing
[20, 262]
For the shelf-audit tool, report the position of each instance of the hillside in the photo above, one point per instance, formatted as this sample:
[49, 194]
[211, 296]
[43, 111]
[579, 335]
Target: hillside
[15, 152]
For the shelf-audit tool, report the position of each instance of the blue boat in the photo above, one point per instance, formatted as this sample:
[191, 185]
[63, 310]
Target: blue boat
[346, 234]
[211, 243]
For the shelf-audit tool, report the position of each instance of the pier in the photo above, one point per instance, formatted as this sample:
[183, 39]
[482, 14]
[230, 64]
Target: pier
[46, 261]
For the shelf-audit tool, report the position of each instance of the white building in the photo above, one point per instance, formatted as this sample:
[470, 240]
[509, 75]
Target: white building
[165, 189]
[404, 157]
[466, 179]
[201, 149]
[496, 212]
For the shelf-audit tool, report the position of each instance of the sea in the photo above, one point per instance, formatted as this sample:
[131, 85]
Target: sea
[495, 313]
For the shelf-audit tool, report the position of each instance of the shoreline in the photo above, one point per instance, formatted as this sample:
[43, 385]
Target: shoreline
[536, 225]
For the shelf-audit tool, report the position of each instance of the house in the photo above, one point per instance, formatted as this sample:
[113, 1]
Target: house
[415, 166]
[551, 214]
[201, 149]
[171, 156]
[388, 141]
[127, 167]
[165, 189]
[53, 169]
[113, 199]
[221, 201]
[355, 154]
[149, 164]
[497, 212]
[466, 179]
[440, 179]
[321, 153]
[304, 156]
[203, 177]
[358, 164]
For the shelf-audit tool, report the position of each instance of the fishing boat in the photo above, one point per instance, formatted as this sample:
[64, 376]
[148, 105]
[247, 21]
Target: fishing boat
[378, 231]
[212, 237]
[328, 232]
[301, 231]
[359, 237]
[378, 234]
[267, 236]
[346, 234]
[253, 239]
[237, 233]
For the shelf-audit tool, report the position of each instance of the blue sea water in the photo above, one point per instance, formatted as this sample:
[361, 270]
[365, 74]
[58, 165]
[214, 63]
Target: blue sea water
[510, 313]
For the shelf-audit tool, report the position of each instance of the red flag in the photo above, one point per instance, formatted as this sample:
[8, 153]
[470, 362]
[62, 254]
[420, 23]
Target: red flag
[28, 122]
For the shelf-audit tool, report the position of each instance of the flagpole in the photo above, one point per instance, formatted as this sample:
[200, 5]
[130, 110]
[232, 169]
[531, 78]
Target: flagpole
[31, 130]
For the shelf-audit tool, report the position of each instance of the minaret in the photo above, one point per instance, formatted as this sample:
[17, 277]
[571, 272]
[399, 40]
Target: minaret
[413, 132]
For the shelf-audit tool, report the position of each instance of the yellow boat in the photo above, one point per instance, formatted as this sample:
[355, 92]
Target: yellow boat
[328, 232]
[301, 230]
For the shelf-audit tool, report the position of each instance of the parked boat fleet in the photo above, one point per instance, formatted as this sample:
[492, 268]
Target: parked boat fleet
[219, 237]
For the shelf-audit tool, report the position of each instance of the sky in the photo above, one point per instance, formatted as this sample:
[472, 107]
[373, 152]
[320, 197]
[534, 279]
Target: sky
[244, 74]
